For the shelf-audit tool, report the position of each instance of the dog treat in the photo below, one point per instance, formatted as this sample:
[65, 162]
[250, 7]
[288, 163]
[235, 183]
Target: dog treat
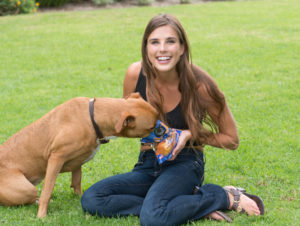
[165, 140]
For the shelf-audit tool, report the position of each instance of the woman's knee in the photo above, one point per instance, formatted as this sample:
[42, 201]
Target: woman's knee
[152, 217]
[96, 200]
[148, 219]
[88, 202]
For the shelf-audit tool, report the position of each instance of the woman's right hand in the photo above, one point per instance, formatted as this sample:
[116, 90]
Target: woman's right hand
[183, 138]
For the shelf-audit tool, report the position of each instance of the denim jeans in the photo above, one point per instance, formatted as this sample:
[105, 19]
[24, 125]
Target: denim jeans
[158, 194]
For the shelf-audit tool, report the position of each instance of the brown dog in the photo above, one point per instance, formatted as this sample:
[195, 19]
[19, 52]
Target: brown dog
[61, 141]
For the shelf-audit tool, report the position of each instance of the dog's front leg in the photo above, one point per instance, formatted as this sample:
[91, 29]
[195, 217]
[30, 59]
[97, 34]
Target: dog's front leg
[76, 181]
[54, 166]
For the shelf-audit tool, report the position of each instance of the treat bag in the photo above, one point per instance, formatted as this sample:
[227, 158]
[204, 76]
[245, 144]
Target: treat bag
[160, 132]
[165, 148]
[164, 139]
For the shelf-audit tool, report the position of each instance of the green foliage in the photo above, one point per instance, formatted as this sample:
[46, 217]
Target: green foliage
[17, 6]
[251, 48]
[102, 2]
[144, 2]
[185, 1]
[52, 3]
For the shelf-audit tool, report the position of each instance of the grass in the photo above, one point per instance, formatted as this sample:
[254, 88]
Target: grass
[251, 48]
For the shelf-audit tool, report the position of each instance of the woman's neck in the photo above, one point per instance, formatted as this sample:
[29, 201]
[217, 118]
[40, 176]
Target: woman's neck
[169, 78]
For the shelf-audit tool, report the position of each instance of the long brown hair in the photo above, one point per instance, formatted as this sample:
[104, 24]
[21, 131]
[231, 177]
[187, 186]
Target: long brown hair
[193, 104]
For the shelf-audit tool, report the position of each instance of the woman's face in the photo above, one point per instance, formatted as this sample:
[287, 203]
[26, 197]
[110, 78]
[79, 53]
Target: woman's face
[164, 48]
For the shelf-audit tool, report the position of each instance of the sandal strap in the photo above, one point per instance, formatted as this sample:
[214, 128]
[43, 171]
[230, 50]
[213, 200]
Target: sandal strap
[236, 198]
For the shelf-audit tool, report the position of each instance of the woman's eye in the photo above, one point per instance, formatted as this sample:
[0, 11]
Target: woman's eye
[171, 41]
[154, 42]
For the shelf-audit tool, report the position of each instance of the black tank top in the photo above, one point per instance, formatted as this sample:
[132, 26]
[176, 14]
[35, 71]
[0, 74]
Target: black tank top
[174, 118]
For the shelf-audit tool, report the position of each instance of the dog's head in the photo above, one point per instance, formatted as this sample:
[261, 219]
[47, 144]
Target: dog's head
[138, 120]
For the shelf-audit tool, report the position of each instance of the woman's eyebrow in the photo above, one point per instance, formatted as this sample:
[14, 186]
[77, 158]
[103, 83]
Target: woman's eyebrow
[172, 38]
[155, 39]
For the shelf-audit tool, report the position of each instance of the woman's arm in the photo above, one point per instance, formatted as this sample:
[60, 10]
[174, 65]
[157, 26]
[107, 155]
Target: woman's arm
[131, 77]
[227, 136]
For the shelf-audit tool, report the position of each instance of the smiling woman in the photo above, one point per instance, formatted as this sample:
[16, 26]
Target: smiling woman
[186, 98]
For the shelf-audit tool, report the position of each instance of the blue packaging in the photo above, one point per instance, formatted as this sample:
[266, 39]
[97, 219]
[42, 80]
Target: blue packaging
[164, 139]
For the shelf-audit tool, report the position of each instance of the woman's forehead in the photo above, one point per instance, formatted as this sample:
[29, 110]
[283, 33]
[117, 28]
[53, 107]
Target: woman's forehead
[163, 32]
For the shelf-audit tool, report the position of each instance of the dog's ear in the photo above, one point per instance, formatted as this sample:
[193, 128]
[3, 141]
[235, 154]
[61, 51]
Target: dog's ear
[134, 95]
[126, 120]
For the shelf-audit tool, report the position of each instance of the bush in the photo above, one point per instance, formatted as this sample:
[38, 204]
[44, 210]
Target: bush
[52, 3]
[185, 1]
[102, 2]
[144, 2]
[17, 6]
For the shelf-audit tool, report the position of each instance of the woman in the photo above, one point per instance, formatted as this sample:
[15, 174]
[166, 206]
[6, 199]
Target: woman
[186, 98]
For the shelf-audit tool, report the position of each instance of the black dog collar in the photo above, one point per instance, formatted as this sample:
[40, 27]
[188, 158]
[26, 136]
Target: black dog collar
[102, 140]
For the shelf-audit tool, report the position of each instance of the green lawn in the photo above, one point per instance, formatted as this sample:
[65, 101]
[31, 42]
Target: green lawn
[251, 48]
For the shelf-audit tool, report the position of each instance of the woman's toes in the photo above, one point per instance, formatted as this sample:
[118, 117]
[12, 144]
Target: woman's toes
[215, 216]
[249, 205]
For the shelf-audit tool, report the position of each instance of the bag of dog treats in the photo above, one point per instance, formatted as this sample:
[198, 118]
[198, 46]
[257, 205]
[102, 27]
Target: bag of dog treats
[164, 139]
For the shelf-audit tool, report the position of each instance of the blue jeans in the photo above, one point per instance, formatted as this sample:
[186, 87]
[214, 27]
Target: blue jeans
[158, 194]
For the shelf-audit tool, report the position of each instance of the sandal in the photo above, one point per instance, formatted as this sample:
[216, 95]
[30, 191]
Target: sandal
[236, 192]
[223, 215]
[220, 213]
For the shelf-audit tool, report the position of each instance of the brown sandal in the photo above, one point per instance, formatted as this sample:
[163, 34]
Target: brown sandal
[221, 214]
[225, 216]
[236, 192]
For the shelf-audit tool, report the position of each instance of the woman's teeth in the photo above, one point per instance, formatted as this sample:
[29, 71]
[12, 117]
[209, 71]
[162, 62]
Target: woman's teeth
[164, 58]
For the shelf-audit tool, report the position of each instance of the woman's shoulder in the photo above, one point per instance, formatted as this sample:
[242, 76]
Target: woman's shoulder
[131, 77]
[133, 70]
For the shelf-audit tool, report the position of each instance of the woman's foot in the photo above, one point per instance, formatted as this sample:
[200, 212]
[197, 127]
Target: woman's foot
[215, 216]
[241, 203]
[219, 216]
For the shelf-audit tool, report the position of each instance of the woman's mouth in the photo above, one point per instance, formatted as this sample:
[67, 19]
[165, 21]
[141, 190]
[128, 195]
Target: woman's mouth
[163, 59]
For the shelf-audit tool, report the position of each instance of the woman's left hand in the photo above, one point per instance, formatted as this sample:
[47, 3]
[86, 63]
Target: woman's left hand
[183, 138]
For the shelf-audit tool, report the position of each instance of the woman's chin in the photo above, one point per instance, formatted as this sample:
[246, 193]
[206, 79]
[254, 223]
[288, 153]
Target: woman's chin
[164, 67]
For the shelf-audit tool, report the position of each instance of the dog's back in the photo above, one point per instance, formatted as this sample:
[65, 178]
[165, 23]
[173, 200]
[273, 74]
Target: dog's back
[70, 123]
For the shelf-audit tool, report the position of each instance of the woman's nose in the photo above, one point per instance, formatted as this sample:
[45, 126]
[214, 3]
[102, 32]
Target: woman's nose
[162, 47]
